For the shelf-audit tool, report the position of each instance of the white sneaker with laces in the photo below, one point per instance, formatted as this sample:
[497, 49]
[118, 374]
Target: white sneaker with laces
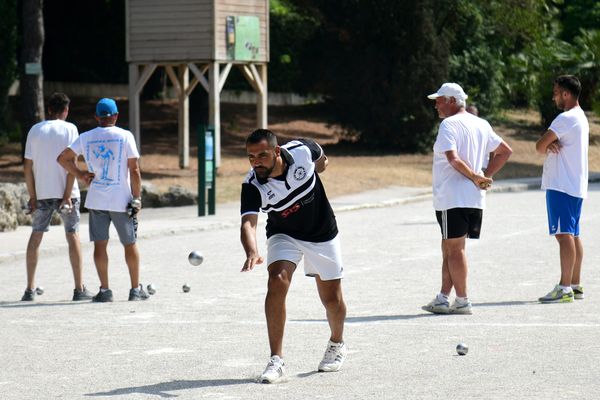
[274, 370]
[334, 357]
[461, 308]
[437, 306]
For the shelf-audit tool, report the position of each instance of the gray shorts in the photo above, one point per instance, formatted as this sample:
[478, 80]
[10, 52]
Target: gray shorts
[41, 217]
[100, 222]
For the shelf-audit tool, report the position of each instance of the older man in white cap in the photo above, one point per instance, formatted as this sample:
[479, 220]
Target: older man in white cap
[459, 183]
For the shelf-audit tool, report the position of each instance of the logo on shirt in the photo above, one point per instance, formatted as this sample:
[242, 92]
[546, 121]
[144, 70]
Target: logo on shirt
[104, 159]
[299, 173]
[291, 210]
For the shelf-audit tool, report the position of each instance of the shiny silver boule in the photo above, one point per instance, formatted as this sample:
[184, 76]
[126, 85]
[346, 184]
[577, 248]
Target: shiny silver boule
[195, 258]
[462, 349]
[39, 290]
[151, 289]
[185, 288]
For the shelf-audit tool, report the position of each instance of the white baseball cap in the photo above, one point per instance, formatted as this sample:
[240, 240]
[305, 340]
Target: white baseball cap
[449, 89]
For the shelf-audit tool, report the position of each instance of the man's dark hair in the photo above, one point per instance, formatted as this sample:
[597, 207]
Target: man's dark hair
[58, 102]
[569, 83]
[262, 134]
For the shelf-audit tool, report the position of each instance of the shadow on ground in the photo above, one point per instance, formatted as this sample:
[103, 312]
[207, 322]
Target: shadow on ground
[369, 318]
[161, 389]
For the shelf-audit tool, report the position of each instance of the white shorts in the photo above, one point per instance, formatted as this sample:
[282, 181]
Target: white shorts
[323, 259]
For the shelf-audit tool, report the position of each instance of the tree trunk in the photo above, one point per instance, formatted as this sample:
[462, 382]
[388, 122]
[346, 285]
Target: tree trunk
[32, 78]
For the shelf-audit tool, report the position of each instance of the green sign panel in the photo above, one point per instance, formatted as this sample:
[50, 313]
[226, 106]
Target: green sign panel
[242, 37]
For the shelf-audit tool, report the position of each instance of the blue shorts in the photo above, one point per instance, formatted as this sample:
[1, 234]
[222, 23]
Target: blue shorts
[563, 213]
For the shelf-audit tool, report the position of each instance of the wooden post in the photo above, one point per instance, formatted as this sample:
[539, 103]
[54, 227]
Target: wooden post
[262, 101]
[184, 117]
[214, 108]
[134, 104]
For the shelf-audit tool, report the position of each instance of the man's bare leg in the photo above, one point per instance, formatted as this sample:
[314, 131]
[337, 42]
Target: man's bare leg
[32, 257]
[280, 277]
[331, 296]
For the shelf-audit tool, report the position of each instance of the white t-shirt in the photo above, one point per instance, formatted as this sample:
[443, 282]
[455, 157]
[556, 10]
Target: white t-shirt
[45, 141]
[106, 151]
[567, 171]
[473, 139]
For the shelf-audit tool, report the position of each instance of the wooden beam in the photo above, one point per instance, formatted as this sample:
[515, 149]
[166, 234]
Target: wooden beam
[257, 79]
[192, 86]
[184, 116]
[173, 78]
[143, 78]
[262, 101]
[199, 74]
[248, 75]
[223, 76]
[134, 104]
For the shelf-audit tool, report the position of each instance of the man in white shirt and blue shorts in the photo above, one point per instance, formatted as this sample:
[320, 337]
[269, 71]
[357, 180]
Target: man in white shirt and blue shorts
[115, 182]
[462, 146]
[51, 190]
[565, 179]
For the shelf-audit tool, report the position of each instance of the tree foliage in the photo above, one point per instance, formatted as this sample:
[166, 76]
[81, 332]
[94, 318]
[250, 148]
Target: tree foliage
[85, 41]
[376, 62]
[8, 58]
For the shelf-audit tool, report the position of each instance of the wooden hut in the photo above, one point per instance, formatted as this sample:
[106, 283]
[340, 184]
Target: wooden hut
[201, 39]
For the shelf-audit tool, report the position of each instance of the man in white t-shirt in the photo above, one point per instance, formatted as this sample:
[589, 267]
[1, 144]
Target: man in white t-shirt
[51, 189]
[111, 157]
[463, 144]
[565, 179]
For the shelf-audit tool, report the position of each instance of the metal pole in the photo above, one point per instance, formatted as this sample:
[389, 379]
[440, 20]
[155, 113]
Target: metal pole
[201, 171]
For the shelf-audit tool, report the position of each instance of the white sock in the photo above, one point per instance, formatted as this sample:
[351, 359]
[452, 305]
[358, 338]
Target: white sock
[102, 290]
[462, 300]
[575, 286]
[566, 289]
[442, 297]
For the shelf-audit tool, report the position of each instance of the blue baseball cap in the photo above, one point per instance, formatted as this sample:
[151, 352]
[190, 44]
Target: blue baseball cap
[106, 108]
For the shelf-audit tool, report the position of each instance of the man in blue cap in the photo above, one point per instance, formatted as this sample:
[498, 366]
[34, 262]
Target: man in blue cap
[115, 186]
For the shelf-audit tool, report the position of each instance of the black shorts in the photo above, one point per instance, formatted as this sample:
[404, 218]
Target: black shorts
[458, 222]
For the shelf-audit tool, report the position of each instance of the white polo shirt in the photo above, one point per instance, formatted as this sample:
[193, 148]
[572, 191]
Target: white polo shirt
[567, 171]
[45, 141]
[473, 139]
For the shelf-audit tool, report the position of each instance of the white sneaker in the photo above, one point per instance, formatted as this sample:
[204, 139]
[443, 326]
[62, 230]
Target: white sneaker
[437, 306]
[461, 308]
[334, 357]
[274, 370]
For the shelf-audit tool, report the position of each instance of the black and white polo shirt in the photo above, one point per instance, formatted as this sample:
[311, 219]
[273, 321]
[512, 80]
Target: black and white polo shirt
[296, 202]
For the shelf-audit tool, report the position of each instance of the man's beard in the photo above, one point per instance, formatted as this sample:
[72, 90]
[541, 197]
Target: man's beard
[264, 172]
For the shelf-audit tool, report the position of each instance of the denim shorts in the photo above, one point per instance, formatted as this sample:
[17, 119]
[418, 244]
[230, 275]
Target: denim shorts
[41, 217]
[100, 223]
